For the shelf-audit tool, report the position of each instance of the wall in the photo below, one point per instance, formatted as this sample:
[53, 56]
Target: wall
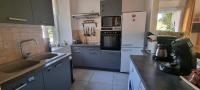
[64, 21]
[171, 4]
[11, 35]
[85, 6]
[133, 5]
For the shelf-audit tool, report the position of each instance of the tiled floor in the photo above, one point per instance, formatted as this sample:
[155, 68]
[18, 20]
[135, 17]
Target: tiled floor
[99, 80]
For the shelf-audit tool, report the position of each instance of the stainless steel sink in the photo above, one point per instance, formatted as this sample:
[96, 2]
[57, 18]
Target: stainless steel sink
[17, 66]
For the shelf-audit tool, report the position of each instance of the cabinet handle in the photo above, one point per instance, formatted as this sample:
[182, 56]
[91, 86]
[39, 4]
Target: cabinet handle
[17, 19]
[59, 64]
[70, 57]
[22, 86]
[31, 79]
[49, 69]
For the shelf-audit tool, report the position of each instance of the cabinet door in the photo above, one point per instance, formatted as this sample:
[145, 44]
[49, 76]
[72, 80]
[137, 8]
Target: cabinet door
[78, 56]
[111, 59]
[43, 12]
[5, 10]
[111, 7]
[55, 77]
[93, 58]
[30, 82]
[21, 12]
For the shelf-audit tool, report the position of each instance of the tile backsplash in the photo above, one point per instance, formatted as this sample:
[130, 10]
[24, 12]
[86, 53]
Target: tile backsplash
[10, 37]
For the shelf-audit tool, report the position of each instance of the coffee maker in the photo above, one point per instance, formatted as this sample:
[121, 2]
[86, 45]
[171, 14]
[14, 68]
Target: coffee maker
[164, 48]
[183, 59]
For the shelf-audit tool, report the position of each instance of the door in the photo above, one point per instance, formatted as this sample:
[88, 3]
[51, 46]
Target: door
[111, 7]
[30, 82]
[43, 12]
[125, 57]
[133, 29]
[55, 77]
[16, 11]
[21, 12]
[77, 56]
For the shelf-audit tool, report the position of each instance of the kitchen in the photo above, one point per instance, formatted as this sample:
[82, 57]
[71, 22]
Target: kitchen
[97, 44]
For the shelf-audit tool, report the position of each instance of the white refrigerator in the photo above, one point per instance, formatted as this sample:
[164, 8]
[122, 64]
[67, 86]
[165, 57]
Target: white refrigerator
[133, 31]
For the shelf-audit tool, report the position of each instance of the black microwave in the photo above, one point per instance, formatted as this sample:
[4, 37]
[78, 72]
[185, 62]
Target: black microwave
[111, 21]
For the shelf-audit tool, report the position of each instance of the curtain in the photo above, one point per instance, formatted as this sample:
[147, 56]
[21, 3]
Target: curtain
[188, 17]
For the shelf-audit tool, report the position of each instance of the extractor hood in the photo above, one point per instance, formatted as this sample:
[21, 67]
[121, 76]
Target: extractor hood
[86, 15]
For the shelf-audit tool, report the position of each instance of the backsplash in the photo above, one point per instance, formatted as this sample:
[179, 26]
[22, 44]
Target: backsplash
[10, 37]
[79, 35]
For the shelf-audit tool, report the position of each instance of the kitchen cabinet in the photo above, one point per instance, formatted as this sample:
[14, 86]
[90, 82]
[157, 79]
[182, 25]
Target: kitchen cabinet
[111, 59]
[31, 82]
[111, 7]
[42, 12]
[16, 11]
[135, 82]
[58, 76]
[93, 57]
[38, 12]
[133, 5]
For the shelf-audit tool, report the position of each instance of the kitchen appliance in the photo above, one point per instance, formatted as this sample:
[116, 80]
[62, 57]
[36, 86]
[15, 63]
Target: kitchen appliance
[133, 31]
[110, 40]
[111, 21]
[183, 58]
[164, 48]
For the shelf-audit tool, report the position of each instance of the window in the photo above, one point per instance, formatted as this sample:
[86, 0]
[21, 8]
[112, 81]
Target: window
[169, 21]
[49, 32]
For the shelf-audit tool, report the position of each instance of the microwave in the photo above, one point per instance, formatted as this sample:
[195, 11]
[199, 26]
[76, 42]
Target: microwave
[111, 21]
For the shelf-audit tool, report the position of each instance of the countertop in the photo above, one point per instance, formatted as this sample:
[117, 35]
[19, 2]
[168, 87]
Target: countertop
[85, 45]
[154, 79]
[9, 77]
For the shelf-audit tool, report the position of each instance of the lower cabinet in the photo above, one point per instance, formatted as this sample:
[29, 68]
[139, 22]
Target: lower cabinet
[57, 76]
[135, 82]
[54, 77]
[93, 57]
[30, 82]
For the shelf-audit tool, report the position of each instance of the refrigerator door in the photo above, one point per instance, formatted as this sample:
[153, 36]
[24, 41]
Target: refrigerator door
[133, 29]
[125, 57]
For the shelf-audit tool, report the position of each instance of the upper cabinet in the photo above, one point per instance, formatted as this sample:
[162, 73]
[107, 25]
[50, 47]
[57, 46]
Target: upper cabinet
[111, 7]
[26, 12]
[43, 12]
[15, 11]
[133, 5]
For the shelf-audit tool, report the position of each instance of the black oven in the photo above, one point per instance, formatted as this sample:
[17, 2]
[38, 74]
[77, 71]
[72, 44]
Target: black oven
[110, 40]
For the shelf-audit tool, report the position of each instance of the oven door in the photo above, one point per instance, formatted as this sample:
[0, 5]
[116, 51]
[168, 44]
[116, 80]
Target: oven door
[110, 40]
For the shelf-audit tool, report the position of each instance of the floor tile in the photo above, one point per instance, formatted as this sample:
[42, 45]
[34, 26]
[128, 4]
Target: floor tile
[79, 85]
[83, 75]
[102, 77]
[118, 87]
[121, 76]
[98, 86]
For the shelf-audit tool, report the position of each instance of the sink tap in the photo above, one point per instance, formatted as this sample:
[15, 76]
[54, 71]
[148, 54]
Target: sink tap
[24, 54]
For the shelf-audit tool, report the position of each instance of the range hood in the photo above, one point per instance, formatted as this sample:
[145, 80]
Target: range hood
[86, 15]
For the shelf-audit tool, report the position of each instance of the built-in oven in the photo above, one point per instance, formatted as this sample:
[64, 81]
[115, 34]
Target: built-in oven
[110, 40]
[111, 21]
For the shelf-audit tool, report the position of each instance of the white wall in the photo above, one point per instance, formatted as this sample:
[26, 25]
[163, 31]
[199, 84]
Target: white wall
[169, 4]
[64, 21]
[133, 5]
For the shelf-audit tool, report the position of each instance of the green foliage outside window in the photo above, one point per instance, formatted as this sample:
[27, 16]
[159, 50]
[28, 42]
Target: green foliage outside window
[164, 22]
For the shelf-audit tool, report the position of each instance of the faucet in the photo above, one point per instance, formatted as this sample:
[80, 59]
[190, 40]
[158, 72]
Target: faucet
[25, 55]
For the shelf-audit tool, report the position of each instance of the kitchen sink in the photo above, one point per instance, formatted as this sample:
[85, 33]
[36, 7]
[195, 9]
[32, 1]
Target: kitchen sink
[17, 66]
[42, 57]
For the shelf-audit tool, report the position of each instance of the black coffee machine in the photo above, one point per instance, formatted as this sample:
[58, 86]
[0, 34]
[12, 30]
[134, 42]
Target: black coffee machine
[183, 60]
[164, 48]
